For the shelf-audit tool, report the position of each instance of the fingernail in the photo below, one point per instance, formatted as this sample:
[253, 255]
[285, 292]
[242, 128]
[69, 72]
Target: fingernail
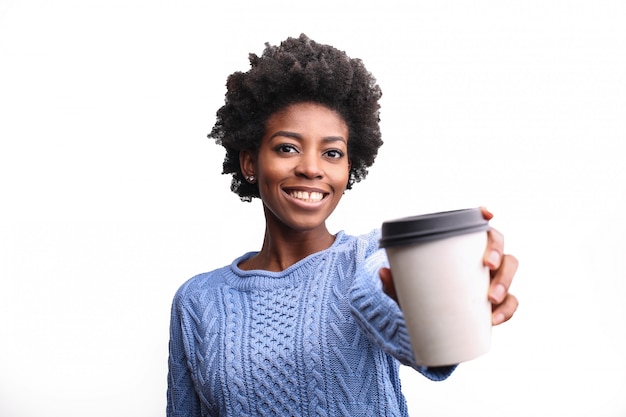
[498, 293]
[493, 258]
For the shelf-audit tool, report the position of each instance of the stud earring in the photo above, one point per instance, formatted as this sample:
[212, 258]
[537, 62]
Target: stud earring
[251, 178]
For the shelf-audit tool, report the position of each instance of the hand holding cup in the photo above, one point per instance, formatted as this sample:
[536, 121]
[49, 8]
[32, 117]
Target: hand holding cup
[446, 282]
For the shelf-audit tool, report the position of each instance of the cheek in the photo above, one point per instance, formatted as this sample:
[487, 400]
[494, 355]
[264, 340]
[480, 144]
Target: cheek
[268, 179]
[271, 173]
[342, 175]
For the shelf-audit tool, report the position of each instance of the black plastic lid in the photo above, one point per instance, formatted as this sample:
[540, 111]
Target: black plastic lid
[427, 227]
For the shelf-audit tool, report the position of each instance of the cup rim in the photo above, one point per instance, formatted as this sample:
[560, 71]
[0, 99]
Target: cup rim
[432, 226]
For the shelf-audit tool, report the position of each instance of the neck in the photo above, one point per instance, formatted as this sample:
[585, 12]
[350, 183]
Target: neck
[283, 248]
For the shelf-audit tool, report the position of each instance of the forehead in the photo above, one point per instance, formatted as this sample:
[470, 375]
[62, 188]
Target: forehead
[308, 116]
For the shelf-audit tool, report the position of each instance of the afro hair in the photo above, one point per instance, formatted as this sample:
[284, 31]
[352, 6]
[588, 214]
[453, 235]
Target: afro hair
[299, 70]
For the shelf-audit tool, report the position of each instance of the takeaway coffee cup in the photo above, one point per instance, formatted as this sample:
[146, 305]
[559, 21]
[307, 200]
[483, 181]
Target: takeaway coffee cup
[441, 283]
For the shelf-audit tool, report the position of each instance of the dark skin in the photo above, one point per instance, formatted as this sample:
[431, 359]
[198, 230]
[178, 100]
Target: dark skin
[301, 169]
[502, 269]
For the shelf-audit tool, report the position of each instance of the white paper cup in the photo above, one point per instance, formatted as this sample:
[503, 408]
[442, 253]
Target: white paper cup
[442, 284]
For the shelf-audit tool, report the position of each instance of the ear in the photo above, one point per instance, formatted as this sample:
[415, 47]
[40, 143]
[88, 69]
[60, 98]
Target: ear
[247, 162]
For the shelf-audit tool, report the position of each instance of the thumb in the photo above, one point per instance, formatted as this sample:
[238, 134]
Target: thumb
[387, 280]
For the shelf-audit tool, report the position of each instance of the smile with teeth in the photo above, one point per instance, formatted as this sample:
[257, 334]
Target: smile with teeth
[309, 197]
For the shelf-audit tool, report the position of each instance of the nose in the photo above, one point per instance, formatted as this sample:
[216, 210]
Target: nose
[310, 166]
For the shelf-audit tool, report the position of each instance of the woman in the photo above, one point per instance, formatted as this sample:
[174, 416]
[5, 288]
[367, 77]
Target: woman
[302, 327]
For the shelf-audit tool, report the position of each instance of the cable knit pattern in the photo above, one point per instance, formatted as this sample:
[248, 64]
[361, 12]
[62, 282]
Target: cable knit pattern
[318, 339]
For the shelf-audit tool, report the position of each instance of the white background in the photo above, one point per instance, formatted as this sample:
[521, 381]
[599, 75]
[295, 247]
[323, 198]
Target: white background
[111, 194]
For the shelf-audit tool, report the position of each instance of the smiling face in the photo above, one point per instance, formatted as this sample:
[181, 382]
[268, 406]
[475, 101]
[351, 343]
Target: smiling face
[302, 166]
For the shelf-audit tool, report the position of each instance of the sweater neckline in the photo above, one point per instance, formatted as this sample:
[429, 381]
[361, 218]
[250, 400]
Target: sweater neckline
[260, 278]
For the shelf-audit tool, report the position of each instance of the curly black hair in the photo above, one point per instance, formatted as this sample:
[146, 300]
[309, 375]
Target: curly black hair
[299, 70]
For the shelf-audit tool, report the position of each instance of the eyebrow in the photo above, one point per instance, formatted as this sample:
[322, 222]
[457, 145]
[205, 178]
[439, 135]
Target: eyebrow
[293, 135]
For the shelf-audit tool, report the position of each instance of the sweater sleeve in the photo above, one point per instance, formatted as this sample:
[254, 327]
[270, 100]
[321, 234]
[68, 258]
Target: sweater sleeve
[380, 317]
[182, 399]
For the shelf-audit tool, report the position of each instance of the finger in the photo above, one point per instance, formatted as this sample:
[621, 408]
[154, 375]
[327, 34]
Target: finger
[387, 280]
[495, 249]
[486, 213]
[502, 278]
[505, 310]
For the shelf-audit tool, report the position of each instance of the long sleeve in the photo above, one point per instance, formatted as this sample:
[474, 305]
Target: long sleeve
[381, 319]
[182, 399]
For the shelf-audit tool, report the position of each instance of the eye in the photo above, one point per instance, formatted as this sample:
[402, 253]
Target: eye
[334, 153]
[286, 148]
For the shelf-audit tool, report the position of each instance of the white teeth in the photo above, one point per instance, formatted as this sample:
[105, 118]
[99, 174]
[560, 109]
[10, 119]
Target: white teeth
[307, 196]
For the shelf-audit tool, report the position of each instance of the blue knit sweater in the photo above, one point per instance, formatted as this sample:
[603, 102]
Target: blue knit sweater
[317, 339]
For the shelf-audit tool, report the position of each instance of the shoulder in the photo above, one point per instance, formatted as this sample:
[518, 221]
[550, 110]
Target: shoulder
[199, 286]
[364, 248]
[371, 241]
[210, 281]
